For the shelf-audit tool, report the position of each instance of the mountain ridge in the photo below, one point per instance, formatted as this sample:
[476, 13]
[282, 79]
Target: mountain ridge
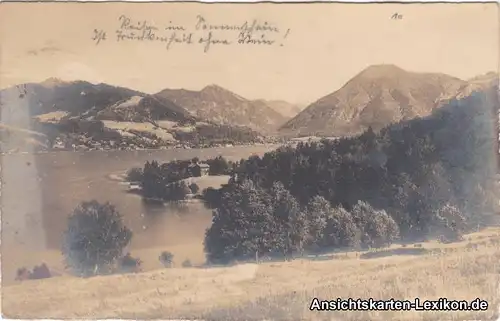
[222, 106]
[375, 97]
[79, 114]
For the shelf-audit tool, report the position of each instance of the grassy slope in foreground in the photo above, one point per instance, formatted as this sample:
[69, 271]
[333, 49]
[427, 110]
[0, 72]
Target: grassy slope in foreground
[276, 291]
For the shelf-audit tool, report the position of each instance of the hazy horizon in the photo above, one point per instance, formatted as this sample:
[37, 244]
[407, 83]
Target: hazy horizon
[327, 44]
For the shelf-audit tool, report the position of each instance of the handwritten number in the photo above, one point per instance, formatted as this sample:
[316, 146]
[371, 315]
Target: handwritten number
[99, 35]
[397, 16]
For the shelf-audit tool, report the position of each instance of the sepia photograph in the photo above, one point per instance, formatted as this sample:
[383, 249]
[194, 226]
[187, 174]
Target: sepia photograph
[250, 161]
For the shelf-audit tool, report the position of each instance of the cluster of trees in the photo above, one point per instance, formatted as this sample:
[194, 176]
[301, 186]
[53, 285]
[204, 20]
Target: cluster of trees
[167, 259]
[165, 181]
[432, 176]
[39, 272]
[212, 197]
[220, 166]
[251, 220]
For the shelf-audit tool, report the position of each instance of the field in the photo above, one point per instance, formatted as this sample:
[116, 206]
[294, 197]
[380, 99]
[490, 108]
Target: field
[276, 290]
[124, 127]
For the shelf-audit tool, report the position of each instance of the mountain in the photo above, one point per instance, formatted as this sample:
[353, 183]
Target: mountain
[480, 83]
[221, 106]
[285, 108]
[144, 108]
[75, 98]
[82, 115]
[376, 97]
[488, 79]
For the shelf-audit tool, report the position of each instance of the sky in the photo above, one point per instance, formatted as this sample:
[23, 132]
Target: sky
[317, 49]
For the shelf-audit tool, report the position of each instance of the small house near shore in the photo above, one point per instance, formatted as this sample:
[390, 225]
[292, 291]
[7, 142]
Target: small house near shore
[199, 169]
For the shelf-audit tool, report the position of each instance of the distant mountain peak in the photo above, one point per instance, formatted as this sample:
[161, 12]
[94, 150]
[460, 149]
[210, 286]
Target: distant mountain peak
[222, 106]
[220, 92]
[214, 87]
[282, 107]
[382, 70]
[52, 82]
[485, 77]
[377, 96]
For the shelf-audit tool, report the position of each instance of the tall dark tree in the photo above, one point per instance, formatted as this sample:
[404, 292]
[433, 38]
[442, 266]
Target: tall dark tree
[377, 227]
[242, 226]
[218, 166]
[330, 227]
[289, 220]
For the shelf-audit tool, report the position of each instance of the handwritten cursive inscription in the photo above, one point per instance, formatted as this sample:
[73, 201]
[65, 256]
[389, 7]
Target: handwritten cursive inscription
[99, 35]
[128, 24]
[201, 32]
[244, 27]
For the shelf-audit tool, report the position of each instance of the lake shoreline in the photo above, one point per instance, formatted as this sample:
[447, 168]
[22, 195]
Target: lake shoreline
[58, 151]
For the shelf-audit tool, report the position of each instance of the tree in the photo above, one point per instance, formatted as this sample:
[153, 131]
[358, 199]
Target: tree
[290, 221]
[94, 239]
[340, 230]
[449, 223]
[195, 170]
[166, 258]
[330, 227]
[176, 191]
[377, 227]
[212, 197]
[194, 188]
[317, 213]
[130, 264]
[242, 226]
[218, 166]
[134, 174]
[153, 181]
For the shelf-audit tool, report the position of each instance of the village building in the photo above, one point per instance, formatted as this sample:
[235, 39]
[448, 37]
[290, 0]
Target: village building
[199, 169]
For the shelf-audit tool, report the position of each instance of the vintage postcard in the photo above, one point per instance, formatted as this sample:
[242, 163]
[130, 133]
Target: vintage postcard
[321, 161]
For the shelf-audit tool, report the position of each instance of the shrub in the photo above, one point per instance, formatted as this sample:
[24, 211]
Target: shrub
[449, 224]
[94, 239]
[176, 191]
[166, 258]
[23, 274]
[41, 272]
[187, 263]
[218, 166]
[194, 188]
[212, 197]
[130, 264]
[135, 174]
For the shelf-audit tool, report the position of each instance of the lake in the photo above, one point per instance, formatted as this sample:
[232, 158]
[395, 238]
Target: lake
[39, 191]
